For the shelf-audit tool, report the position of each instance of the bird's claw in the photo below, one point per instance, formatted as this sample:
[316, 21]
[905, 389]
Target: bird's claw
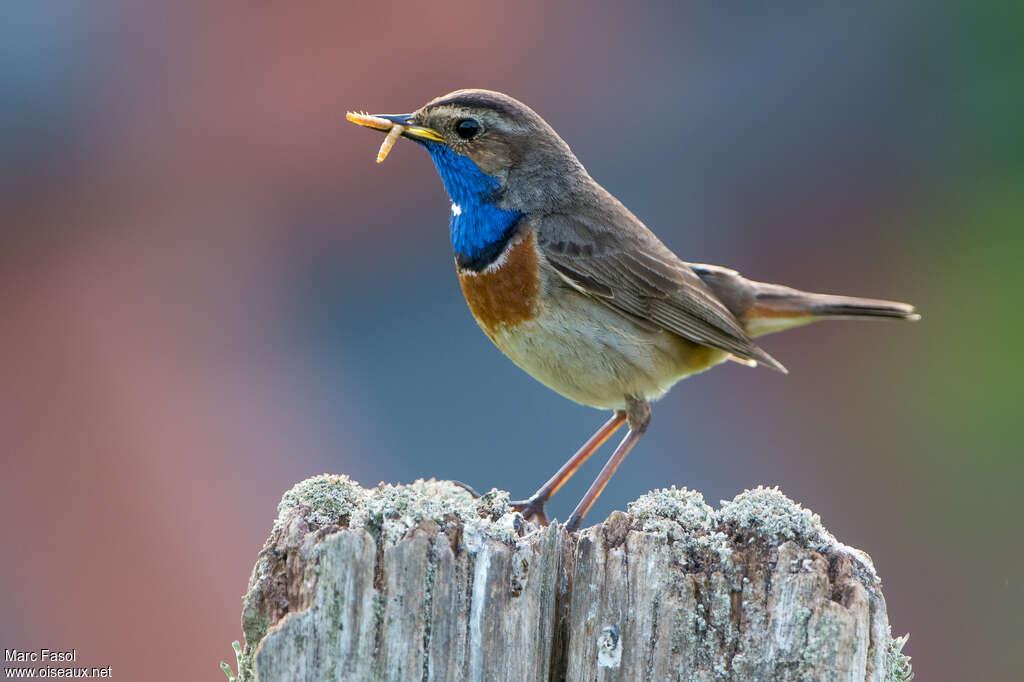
[532, 510]
[468, 488]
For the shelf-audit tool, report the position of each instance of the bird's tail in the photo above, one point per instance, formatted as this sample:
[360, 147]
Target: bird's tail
[776, 307]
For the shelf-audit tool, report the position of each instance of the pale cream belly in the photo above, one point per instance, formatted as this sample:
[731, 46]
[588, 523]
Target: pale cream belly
[570, 342]
[592, 355]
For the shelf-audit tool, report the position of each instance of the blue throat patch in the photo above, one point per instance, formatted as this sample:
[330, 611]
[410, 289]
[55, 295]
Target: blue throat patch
[479, 229]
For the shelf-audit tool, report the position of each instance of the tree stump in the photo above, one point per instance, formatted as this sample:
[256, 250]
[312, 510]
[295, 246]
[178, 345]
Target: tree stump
[423, 582]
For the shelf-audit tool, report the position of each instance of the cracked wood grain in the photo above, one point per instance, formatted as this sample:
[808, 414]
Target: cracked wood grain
[422, 582]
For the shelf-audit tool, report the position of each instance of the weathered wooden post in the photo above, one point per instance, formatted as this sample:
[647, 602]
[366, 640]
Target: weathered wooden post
[422, 582]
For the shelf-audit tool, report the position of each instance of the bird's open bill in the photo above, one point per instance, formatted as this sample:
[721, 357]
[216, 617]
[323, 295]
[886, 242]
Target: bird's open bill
[395, 125]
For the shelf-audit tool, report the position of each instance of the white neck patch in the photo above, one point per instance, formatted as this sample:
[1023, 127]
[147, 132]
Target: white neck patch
[456, 209]
[498, 262]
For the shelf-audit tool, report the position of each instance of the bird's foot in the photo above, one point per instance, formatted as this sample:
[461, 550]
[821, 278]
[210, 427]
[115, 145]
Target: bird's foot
[574, 523]
[468, 488]
[532, 510]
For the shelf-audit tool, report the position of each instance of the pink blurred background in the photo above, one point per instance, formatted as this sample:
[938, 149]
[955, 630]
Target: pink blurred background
[208, 291]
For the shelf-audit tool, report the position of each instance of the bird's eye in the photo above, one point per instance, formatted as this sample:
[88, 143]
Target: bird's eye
[467, 128]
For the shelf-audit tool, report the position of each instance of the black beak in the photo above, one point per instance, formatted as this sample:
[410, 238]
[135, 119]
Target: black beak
[384, 122]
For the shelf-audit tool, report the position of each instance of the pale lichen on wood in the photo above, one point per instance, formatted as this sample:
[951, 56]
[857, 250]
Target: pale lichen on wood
[422, 582]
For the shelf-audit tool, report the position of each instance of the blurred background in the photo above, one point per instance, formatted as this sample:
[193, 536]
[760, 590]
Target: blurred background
[209, 291]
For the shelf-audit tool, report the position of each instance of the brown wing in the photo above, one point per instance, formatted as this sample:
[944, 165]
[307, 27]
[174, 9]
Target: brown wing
[607, 253]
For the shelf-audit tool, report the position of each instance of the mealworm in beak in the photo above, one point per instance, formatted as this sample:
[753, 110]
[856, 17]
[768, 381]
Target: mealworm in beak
[363, 119]
[389, 141]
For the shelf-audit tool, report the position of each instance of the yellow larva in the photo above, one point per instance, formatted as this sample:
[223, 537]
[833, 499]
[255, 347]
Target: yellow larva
[369, 121]
[389, 141]
[394, 130]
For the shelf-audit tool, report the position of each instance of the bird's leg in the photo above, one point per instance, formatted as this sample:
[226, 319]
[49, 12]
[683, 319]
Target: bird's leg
[638, 413]
[533, 508]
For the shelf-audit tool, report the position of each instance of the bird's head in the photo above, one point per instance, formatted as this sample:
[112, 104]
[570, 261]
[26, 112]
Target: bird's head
[489, 148]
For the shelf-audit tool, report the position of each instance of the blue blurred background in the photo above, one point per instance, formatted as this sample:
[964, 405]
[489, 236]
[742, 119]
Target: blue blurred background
[209, 291]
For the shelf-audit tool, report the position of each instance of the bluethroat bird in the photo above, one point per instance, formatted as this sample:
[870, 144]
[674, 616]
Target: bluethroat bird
[573, 288]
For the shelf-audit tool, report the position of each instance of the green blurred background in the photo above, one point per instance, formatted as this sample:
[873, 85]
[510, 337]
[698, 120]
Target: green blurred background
[209, 291]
